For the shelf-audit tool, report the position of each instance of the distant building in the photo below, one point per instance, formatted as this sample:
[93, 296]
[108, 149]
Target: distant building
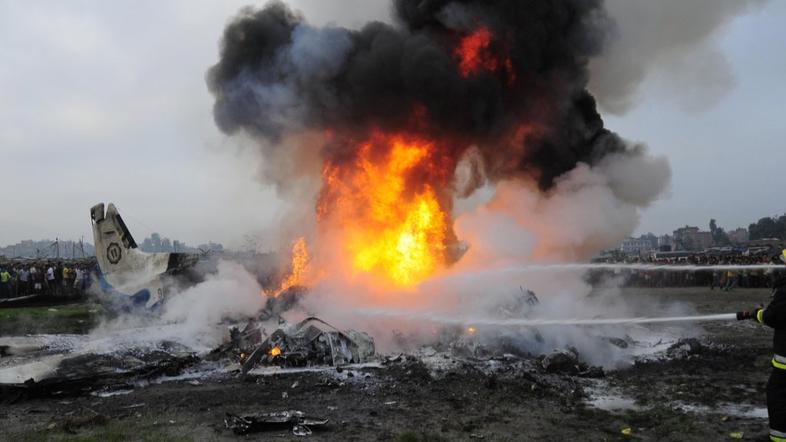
[157, 243]
[738, 236]
[692, 239]
[47, 248]
[635, 246]
[665, 243]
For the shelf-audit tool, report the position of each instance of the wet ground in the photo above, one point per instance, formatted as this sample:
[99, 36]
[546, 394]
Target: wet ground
[714, 391]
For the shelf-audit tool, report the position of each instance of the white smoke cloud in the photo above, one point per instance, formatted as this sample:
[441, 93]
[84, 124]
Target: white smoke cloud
[192, 317]
[230, 293]
[671, 41]
[589, 209]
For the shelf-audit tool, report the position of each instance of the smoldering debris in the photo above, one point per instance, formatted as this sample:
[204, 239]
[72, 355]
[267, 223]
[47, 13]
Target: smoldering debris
[312, 342]
[309, 356]
[94, 373]
[286, 300]
[299, 422]
[309, 343]
[685, 348]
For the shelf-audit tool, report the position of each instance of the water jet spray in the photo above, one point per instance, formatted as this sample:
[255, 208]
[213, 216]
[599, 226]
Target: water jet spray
[539, 322]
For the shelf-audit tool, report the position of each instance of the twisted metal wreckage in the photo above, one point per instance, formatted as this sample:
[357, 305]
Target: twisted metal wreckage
[137, 281]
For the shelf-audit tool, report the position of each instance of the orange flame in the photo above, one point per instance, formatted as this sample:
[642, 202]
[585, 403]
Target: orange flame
[275, 351]
[299, 267]
[393, 223]
[475, 55]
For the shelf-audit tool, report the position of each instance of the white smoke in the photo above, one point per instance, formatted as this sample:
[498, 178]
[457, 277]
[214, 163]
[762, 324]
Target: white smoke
[192, 317]
[671, 41]
[230, 293]
[589, 209]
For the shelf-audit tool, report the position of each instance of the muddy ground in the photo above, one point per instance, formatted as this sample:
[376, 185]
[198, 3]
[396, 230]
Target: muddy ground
[713, 393]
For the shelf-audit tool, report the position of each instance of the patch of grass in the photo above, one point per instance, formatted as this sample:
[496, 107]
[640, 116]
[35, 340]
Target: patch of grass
[68, 318]
[68, 311]
[112, 431]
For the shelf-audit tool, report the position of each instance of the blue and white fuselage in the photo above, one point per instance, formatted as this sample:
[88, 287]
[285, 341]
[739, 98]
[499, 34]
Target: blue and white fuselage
[128, 276]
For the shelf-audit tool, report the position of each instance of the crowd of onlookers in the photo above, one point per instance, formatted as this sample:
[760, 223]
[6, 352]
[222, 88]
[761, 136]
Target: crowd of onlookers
[721, 279]
[54, 278]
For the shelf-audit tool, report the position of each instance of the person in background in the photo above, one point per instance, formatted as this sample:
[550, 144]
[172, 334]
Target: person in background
[37, 278]
[715, 281]
[72, 279]
[66, 275]
[86, 278]
[59, 277]
[5, 283]
[732, 279]
[23, 280]
[14, 288]
[51, 282]
[76, 281]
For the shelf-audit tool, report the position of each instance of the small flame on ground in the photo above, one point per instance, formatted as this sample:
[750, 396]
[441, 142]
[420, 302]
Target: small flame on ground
[275, 351]
[471, 330]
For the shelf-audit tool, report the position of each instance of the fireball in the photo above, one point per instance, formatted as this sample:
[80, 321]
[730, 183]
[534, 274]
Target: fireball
[393, 222]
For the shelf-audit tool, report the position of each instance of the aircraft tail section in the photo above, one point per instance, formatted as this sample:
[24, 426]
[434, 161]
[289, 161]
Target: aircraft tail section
[125, 269]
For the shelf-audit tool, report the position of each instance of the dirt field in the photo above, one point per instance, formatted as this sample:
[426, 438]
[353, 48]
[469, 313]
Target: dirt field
[714, 392]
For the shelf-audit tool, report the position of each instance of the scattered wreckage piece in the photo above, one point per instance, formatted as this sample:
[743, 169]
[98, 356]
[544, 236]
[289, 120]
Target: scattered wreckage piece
[286, 300]
[299, 423]
[519, 305]
[562, 361]
[89, 373]
[312, 342]
[243, 341]
[566, 361]
[685, 348]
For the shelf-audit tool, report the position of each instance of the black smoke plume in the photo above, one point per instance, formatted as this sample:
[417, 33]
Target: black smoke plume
[278, 75]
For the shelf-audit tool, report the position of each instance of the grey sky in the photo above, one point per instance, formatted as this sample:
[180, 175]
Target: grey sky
[106, 101]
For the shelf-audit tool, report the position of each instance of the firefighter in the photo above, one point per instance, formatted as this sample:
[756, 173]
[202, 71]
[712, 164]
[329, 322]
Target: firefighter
[774, 315]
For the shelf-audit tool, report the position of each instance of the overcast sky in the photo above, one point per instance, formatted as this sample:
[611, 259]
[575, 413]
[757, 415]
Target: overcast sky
[106, 101]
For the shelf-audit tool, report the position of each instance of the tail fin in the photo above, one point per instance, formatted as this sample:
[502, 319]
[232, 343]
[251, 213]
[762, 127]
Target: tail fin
[125, 268]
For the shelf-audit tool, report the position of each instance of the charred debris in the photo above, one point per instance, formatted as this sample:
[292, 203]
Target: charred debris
[313, 346]
[311, 342]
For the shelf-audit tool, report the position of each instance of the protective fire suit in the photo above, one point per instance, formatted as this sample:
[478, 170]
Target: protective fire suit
[774, 315]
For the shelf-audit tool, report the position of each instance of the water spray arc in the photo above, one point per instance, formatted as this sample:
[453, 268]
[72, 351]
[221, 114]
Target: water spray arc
[523, 322]
[648, 267]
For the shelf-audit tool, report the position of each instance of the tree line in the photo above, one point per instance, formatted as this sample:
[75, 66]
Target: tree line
[768, 227]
